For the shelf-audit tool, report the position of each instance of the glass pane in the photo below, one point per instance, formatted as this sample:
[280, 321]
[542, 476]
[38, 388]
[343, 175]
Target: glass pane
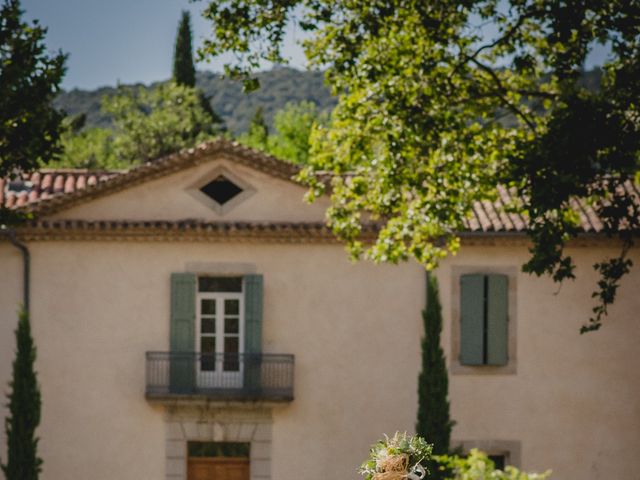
[498, 461]
[208, 345]
[219, 284]
[232, 307]
[208, 307]
[208, 325]
[231, 345]
[208, 355]
[218, 449]
[231, 360]
[231, 325]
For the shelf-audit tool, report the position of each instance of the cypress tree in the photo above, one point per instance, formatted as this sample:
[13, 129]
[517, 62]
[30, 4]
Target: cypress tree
[184, 72]
[434, 423]
[24, 409]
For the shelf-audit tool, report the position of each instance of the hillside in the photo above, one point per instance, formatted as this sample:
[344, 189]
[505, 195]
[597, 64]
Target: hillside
[278, 86]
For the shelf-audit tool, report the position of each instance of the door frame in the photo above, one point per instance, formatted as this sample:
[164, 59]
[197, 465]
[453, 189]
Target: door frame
[219, 377]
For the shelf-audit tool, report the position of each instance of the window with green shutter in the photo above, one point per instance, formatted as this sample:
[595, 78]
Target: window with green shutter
[216, 331]
[483, 319]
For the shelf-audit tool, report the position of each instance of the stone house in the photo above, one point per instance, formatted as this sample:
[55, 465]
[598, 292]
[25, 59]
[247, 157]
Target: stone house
[195, 319]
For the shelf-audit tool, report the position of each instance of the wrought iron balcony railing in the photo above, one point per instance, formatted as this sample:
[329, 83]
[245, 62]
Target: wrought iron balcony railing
[244, 376]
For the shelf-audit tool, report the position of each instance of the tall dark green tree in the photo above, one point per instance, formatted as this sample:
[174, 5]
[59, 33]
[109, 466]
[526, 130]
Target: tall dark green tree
[184, 72]
[23, 462]
[434, 422]
[29, 80]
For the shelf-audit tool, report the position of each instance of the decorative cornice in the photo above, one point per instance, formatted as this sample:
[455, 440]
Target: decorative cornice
[178, 231]
[258, 232]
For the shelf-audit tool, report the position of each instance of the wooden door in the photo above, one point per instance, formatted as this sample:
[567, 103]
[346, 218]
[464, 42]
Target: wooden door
[218, 468]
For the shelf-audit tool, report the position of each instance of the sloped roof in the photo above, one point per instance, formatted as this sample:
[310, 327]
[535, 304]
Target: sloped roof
[51, 190]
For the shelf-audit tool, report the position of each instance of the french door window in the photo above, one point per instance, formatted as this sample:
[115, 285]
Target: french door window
[220, 332]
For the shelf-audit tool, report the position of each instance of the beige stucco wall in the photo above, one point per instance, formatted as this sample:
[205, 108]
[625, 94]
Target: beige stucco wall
[98, 307]
[170, 198]
[574, 403]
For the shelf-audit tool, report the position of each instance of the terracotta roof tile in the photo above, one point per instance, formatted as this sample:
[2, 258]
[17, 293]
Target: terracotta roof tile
[51, 190]
[45, 184]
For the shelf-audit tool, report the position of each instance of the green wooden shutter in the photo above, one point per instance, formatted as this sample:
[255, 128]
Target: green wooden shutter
[472, 319]
[183, 316]
[253, 286]
[253, 297]
[497, 316]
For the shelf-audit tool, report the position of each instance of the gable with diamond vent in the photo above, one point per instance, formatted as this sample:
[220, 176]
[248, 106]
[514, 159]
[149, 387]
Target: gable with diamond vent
[216, 189]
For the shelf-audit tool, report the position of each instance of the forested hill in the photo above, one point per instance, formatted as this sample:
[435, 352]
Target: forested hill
[278, 86]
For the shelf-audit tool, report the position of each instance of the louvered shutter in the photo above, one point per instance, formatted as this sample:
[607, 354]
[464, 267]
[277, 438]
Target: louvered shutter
[472, 319]
[183, 315]
[497, 316]
[253, 299]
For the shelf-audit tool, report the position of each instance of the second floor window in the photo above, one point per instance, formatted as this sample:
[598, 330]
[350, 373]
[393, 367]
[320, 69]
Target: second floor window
[483, 319]
[219, 330]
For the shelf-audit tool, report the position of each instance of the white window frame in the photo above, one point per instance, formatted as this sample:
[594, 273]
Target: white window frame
[219, 377]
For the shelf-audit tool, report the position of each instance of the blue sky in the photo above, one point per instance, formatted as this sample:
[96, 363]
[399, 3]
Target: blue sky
[126, 41]
[130, 41]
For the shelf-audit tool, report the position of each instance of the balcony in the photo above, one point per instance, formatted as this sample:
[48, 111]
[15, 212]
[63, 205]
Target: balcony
[225, 377]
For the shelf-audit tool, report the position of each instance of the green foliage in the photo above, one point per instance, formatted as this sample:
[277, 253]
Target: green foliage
[258, 134]
[477, 466]
[384, 455]
[150, 124]
[90, 148]
[420, 122]
[294, 125]
[23, 462]
[29, 80]
[279, 87]
[434, 421]
[184, 72]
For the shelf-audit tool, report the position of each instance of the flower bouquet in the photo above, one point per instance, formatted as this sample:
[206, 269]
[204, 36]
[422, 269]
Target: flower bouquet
[397, 458]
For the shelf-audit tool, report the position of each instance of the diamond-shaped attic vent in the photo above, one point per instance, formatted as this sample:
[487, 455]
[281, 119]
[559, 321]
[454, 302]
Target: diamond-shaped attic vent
[221, 189]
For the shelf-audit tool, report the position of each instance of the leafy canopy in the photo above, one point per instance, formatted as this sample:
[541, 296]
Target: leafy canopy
[478, 466]
[89, 148]
[293, 127]
[441, 101]
[29, 80]
[152, 123]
